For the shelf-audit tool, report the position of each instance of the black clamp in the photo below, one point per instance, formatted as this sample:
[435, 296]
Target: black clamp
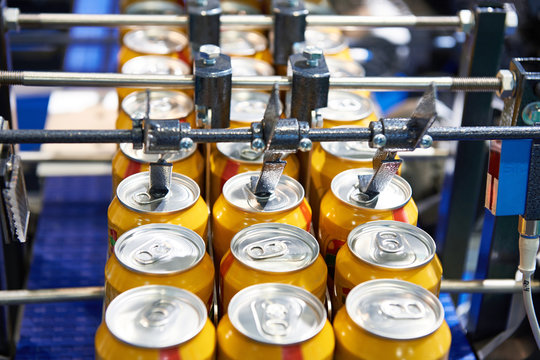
[204, 23]
[289, 27]
[213, 83]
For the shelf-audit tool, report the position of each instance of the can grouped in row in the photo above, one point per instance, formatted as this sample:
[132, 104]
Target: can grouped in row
[134, 206]
[248, 107]
[160, 254]
[152, 6]
[245, 66]
[386, 250]
[238, 207]
[244, 43]
[347, 108]
[156, 322]
[272, 253]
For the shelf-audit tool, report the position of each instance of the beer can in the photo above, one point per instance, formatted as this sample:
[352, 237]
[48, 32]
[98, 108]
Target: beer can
[330, 40]
[156, 322]
[391, 319]
[237, 208]
[153, 65]
[128, 161]
[275, 321]
[133, 206]
[154, 41]
[342, 209]
[160, 254]
[347, 108]
[164, 104]
[151, 7]
[241, 7]
[346, 68]
[230, 159]
[246, 66]
[248, 107]
[244, 43]
[272, 253]
[386, 249]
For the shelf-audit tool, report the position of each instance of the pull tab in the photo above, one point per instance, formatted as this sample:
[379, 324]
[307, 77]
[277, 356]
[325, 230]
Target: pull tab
[158, 313]
[403, 309]
[366, 198]
[249, 154]
[275, 319]
[157, 250]
[392, 249]
[266, 249]
[389, 242]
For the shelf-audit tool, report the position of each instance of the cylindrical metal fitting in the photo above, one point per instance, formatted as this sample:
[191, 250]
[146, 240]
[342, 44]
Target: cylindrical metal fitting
[160, 179]
[528, 228]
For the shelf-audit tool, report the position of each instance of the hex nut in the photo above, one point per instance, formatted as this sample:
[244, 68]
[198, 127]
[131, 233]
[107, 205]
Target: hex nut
[508, 83]
[467, 20]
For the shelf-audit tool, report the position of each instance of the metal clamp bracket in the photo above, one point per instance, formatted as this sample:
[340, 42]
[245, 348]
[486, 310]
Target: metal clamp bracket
[204, 23]
[289, 27]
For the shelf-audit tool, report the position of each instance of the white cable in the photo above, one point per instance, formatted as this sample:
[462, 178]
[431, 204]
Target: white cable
[528, 248]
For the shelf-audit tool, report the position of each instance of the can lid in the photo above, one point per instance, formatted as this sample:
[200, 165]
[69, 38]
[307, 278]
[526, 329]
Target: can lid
[155, 316]
[331, 41]
[245, 66]
[391, 244]
[164, 104]
[349, 150]
[132, 192]
[159, 249]
[242, 43]
[155, 8]
[235, 7]
[275, 247]
[277, 314]
[155, 40]
[156, 65]
[287, 195]
[394, 309]
[139, 155]
[346, 106]
[249, 106]
[396, 194]
[241, 152]
[342, 68]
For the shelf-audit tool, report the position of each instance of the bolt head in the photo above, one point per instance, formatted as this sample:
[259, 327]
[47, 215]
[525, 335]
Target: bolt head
[312, 53]
[426, 142]
[257, 144]
[186, 143]
[379, 140]
[466, 17]
[209, 53]
[305, 145]
[507, 83]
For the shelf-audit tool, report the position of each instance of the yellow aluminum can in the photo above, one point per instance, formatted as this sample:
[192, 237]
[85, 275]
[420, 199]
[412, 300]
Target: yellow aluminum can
[341, 210]
[242, 7]
[272, 253]
[293, 325]
[230, 159]
[132, 206]
[248, 107]
[386, 250]
[128, 161]
[153, 7]
[347, 108]
[391, 320]
[244, 43]
[160, 254]
[237, 208]
[330, 40]
[156, 322]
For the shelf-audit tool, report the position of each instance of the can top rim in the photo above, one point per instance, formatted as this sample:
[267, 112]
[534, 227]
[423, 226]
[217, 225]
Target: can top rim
[164, 104]
[155, 64]
[155, 40]
[246, 66]
[242, 42]
[158, 316]
[346, 106]
[249, 106]
[151, 7]
[138, 155]
[275, 247]
[330, 41]
[391, 245]
[394, 309]
[277, 314]
[161, 249]
[341, 68]
[358, 151]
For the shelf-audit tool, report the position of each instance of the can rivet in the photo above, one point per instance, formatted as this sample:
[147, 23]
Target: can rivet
[426, 142]
[305, 144]
[209, 53]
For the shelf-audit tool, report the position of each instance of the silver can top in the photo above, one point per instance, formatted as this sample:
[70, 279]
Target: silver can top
[155, 65]
[331, 42]
[245, 66]
[155, 316]
[139, 155]
[242, 43]
[287, 195]
[346, 106]
[240, 152]
[391, 244]
[155, 8]
[132, 192]
[155, 40]
[396, 194]
[394, 309]
[249, 106]
[234, 7]
[164, 104]
[275, 247]
[277, 314]
[349, 150]
[160, 249]
[341, 68]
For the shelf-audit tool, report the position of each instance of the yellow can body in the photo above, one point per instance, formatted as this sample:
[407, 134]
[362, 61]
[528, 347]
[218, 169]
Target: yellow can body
[232, 345]
[352, 342]
[201, 347]
[124, 121]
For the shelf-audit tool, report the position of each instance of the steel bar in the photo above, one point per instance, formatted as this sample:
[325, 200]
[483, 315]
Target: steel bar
[244, 135]
[45, 78]
[258, 21]
[12, 297]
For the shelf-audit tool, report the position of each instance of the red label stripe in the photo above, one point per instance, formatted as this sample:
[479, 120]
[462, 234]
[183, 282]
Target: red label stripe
[231, 169]
[183, 57]
[293, 352]
[400, 215]
[226, 264]
[170, 354]
[306, 212]
[132, 168]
